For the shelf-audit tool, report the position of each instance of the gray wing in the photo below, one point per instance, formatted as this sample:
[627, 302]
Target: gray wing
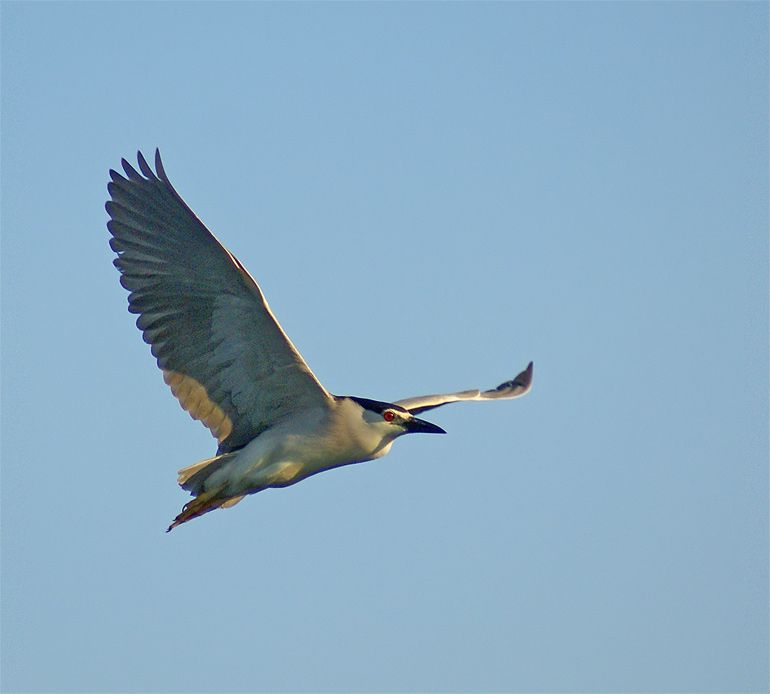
[221, 350]
[515, 388]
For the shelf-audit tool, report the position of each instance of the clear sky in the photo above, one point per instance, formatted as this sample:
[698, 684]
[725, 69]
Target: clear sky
[430, 195]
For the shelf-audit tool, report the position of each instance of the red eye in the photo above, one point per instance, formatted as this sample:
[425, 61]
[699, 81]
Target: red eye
[388, 415]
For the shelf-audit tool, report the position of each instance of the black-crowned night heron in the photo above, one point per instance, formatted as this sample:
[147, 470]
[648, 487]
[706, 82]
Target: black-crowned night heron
[230, 364]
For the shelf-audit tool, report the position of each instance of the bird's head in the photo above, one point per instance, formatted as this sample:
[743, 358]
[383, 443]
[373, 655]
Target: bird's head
[391, 421]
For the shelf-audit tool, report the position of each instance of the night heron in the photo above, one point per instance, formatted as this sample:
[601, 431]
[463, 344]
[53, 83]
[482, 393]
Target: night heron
[230, 364]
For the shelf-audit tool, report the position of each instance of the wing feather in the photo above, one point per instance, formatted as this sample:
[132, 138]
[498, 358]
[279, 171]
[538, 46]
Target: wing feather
[222, 352]
[515, 388]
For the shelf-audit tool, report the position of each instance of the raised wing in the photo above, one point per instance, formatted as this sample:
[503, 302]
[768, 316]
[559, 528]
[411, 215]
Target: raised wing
[505, 391]
[221, 350]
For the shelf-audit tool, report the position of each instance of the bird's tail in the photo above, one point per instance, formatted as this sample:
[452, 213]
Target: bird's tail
[193, 479]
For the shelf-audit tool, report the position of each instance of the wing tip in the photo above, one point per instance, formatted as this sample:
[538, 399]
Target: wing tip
[159, 166]
[132, 174]
[144, 167]
[524, 379]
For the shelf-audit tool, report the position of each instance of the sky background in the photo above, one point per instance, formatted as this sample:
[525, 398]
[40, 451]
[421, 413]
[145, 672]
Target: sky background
[430, 195]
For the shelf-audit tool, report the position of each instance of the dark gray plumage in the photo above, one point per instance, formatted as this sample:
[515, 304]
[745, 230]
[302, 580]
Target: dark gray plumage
[200, 310]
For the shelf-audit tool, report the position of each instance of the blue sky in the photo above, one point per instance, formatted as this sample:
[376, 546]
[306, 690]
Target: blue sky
[430, 195]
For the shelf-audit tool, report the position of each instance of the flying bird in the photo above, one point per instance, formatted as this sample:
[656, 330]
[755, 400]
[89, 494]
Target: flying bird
[229, 363]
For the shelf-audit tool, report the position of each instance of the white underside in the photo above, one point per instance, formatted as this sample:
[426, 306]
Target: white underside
[302, 446]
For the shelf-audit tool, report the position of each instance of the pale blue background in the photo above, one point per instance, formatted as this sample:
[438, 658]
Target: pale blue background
[430, 195]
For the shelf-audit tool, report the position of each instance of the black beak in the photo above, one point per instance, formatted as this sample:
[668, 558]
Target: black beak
[420, 426]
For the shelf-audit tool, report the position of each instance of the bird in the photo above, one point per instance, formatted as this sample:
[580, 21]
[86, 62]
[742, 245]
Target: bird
[230, 364]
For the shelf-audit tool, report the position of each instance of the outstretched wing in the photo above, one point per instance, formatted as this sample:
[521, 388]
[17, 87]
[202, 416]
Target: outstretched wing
[221, 350]
[505, 391]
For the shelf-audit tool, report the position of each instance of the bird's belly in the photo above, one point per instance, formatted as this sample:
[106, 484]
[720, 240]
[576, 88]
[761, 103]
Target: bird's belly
[281, 474]
[279, 461]
[295, 463]
[281, 457]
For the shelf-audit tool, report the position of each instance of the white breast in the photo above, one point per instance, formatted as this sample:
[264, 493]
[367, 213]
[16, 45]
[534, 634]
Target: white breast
[302, 446]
